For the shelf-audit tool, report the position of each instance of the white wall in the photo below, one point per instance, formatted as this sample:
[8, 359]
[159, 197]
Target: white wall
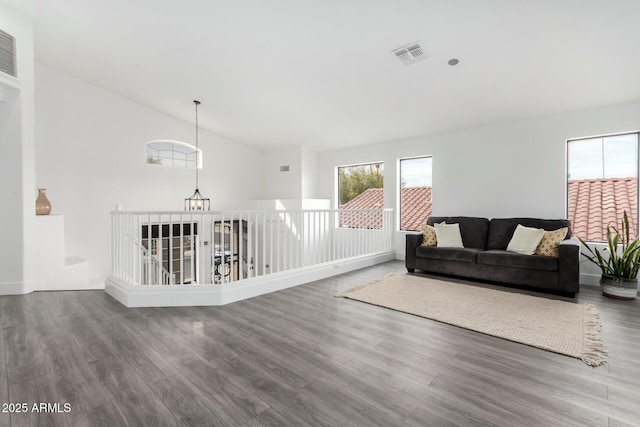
[90, 156]
[309, 173]
[282, 185]
[505, 170]
[17, 173]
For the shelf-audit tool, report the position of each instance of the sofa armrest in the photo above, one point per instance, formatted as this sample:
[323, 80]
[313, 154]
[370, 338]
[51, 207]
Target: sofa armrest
[413, 241]
[569, 266]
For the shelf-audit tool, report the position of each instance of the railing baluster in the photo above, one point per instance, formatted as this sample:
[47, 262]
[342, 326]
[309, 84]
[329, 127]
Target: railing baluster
[326, 236]
[284, 233]
[192, 246]
[232, 248]
[271, 268]
[276, 220]
[257, 260]
[264, 243]
[240, 247]
[223, 250]
[305, 238]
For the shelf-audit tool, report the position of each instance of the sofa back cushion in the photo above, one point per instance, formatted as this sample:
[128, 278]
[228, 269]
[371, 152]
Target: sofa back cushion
[473, 229]
[501, 229]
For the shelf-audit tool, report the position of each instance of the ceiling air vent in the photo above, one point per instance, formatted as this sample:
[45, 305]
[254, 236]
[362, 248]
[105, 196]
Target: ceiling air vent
[7, 54]
[410, 53]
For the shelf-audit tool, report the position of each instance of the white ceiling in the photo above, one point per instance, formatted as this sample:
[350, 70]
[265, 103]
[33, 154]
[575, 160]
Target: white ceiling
[320, 73]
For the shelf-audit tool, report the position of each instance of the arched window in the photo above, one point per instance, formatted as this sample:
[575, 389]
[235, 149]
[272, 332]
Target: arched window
[175, 154]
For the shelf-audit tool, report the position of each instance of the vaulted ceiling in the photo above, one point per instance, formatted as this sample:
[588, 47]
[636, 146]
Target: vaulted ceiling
[322, 74]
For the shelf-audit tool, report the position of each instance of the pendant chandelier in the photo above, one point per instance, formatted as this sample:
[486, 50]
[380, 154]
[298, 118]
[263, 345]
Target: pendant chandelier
[197, 202]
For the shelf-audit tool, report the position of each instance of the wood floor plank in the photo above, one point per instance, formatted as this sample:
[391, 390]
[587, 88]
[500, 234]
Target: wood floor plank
[102, 310]
[346, 404]
[617, 423]
[239, 401]
[138, 404]
[324, 346]
[624, 399]
[268, 418]
[149, 364]
[488, 403]
[24, 357]
[318, 367]
[238, 351]
[14, 311]
[33, 393]
[313, 327]
[89, 337]
[157, 336]
[72, 376]
[282, 396]
[452, 409]
[529, 405]
[106, 415]
[5, 418]
[189, 404]
[69, 304]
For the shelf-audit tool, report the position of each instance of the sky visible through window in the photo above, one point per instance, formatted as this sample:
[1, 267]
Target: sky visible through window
[416, 172]
[606, 157]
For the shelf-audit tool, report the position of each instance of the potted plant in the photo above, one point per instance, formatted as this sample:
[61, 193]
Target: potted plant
[620, 268]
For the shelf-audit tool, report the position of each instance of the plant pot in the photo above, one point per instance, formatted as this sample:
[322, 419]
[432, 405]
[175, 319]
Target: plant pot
[618, 287]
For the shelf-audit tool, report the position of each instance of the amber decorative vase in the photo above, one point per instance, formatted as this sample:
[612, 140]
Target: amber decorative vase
[43, 205]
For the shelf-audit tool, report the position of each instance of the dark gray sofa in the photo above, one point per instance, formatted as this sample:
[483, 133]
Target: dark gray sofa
[484, 255]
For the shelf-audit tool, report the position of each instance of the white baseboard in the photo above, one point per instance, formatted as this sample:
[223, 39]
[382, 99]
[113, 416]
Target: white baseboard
[15, 288]
[209, 295]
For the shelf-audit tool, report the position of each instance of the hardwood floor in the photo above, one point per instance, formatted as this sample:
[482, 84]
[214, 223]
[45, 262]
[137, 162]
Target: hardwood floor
[299, 357]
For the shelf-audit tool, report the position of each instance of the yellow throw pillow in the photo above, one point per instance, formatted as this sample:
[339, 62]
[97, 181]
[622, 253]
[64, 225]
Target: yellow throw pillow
[429, 236]
[550, 241]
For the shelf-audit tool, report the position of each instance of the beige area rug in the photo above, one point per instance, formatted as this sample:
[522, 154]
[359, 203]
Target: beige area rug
[562, 327]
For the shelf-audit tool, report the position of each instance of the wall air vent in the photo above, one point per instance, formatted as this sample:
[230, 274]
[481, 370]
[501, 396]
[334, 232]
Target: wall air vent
[7, 54]
[410, 53]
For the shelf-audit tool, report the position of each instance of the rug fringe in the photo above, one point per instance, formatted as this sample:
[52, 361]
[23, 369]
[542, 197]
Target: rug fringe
[595, 352]
[343, 294]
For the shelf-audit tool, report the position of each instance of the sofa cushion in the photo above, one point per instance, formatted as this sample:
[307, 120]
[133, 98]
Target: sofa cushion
[448, 236]
[525, 240]
[429, 236]
[472, 229]
[448, 254]
[501, 229]
[511, 259]
[551, 241]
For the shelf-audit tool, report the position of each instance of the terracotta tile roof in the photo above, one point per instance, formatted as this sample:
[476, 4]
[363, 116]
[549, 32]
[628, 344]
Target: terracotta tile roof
[372, 198]
[596, 203]
[416, 208]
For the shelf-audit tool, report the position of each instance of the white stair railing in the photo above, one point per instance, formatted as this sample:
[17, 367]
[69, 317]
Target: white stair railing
[188, 248]
[153, 271]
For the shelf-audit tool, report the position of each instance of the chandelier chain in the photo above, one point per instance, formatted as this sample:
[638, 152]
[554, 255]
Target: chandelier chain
[197, 145]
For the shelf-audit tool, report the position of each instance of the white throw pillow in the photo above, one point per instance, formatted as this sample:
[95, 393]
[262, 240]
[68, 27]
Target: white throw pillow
[448, 236]
[525, 240]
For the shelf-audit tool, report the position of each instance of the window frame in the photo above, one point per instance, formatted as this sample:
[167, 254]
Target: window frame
[337, 176]
[338, 217]
[399, 189]
[198, 151]
[566, 175]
